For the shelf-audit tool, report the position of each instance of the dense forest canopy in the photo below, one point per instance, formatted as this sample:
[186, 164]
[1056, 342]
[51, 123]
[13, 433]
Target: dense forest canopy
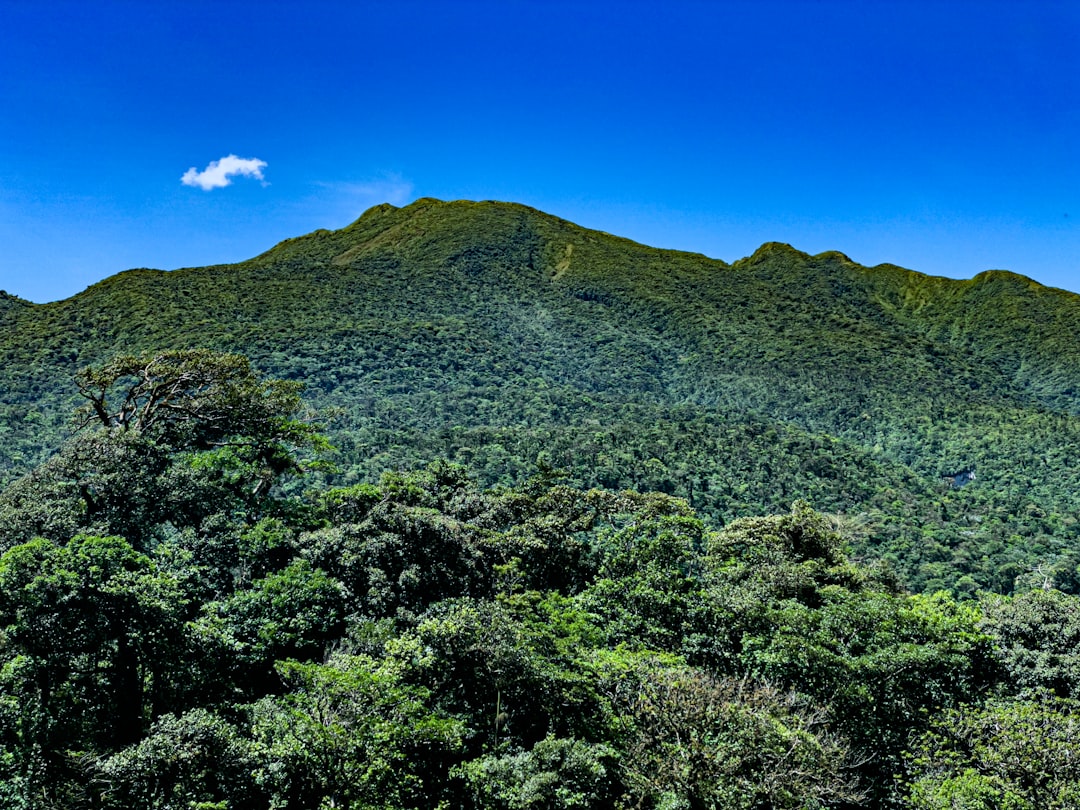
[184, 623]
[466, 506]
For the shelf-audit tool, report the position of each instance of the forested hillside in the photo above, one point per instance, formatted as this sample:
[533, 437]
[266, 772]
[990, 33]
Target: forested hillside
[190, 619]
[508, 341]
[486, 510]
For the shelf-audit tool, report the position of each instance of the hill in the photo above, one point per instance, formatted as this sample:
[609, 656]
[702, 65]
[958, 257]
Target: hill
[505, 339]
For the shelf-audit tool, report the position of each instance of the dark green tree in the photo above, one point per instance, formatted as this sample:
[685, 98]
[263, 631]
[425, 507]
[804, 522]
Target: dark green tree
[1037, 636]
[1019, 755]
[93, 646]
[196, 760]
[689, 740]
[178, 438]
[351, 734]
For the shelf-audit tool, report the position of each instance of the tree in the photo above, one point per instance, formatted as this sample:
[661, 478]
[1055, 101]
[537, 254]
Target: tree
[693, 741]
[351, 733]
[1037, 636]
[556, 773]
[172, 438]
[92, 635]
[1019, 755]
[199, 399]
[648, 590]
[191, 398]
[808, 620]
[192, 760]
[297, 613]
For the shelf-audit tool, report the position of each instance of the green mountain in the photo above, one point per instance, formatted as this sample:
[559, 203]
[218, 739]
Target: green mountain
[509, 340]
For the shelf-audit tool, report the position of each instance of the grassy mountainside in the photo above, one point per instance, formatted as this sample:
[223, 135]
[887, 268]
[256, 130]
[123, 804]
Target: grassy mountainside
[500, 337]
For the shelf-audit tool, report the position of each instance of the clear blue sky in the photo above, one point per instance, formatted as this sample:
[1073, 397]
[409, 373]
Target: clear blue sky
[942, 136]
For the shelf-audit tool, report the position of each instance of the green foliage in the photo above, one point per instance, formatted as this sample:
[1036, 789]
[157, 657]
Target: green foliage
[791, 557]
[183, 624]
[493, 335]
[663, 665]
[804, 618]
[555, 773]
[690, 740]
[197, 438]
[1016, 755]
[398, 551]
[647, 586]
[349, 734]
[99, 483]
[296, 613]
[1038, 634]
[513, 666]
[190, 761]
[90, 635]
[196, 398]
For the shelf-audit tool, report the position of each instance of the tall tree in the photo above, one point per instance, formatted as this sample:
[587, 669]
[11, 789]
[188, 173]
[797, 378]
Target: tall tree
[174, 437]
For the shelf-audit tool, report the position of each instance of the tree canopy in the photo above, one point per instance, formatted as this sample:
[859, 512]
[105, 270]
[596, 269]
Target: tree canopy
[175, 634]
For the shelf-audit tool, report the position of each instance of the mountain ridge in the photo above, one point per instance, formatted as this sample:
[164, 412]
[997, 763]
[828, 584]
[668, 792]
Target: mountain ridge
[493, 334]
[417, 206]
[899, 294]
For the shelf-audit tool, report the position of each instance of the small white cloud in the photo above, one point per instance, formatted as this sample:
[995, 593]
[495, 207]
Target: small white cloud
[219, 173]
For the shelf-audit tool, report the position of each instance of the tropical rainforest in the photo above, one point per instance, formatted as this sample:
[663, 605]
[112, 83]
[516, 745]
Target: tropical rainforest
[464, 505]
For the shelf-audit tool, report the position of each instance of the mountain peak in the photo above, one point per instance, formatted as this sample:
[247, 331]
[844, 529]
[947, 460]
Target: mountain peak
[771, 251]
[1007, 278]
[834, 256]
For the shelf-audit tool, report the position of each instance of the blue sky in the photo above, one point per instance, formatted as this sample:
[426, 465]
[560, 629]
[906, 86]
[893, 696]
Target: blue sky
[941, 136]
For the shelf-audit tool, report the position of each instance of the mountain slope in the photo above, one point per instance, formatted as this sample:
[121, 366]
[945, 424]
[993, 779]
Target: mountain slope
[497, 335]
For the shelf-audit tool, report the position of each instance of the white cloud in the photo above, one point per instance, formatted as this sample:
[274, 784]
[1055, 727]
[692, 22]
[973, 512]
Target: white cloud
[219, 173]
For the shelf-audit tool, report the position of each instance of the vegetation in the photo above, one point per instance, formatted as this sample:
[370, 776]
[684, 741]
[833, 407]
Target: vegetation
[500, 338]
[609, 588]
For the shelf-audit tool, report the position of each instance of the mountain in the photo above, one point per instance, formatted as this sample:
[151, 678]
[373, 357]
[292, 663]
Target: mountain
[509, 340]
